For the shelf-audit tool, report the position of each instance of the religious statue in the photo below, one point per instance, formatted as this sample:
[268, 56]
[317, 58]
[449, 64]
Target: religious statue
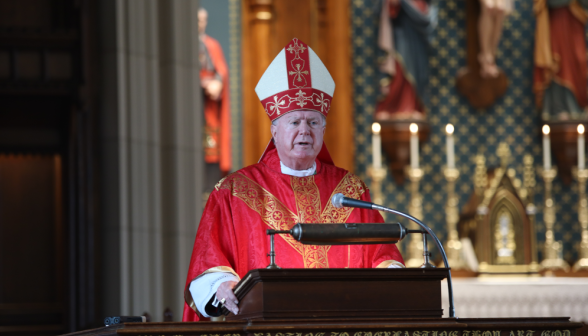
[492, 14]
[404, 33]
[560, 59]
[481, 81]
[214, 79]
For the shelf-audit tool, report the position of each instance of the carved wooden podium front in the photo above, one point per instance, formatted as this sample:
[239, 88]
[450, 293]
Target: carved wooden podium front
[266, 294]
[345, 302]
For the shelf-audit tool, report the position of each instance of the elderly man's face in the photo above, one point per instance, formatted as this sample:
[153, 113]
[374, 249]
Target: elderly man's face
[298, 137]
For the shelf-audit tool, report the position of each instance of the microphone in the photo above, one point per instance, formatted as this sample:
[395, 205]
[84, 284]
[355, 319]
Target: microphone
[340, 201]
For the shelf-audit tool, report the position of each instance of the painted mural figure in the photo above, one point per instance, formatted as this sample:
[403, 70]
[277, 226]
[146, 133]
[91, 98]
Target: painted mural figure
[560, 82]
[405, 30]
[214, 79]
[490, 23]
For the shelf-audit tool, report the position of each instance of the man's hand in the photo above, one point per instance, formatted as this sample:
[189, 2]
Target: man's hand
[225, 291]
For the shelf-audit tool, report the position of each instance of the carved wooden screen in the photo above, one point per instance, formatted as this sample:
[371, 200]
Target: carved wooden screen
[48, 88]
[32, 242]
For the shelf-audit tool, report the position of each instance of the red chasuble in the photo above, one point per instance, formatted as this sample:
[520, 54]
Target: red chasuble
[232, 233]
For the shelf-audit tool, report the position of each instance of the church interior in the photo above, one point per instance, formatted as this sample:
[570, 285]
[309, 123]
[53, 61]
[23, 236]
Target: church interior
[119, 117]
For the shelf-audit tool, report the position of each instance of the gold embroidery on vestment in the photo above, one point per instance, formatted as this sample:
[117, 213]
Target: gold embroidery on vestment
[350, 186]
[277, 216]
[219, 183]
[273, 212]
[308, 204]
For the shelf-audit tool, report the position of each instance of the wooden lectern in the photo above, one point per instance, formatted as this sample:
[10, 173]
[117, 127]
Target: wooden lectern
[345, 302]
[267, 294]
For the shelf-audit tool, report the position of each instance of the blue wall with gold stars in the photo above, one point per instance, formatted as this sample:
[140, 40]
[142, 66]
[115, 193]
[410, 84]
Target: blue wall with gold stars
[512, 119]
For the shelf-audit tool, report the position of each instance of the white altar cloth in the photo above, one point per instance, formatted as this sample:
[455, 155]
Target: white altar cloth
[519, 297]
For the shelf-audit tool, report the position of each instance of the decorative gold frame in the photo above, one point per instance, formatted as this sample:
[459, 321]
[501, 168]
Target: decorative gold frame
[506, 192]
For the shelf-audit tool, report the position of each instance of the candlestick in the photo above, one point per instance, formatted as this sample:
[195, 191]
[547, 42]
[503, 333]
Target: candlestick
[581, 159]
[414, 146]
[453, 246]
[582, 263]
[415, 209]
[546, 148]
[378, 175]
[450, 147]
[376, 146]
[552, 259]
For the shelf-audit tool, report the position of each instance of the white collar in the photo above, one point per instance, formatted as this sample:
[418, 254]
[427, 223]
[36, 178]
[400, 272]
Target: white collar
[298, 173]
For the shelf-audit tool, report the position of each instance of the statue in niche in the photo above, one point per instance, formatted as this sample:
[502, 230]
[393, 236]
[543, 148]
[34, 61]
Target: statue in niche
[214, 80]
[504, 238]
[560, 82]
[405, 29]
[490, 23]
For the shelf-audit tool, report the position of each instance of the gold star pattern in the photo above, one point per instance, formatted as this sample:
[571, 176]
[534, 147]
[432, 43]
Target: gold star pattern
[512, 119]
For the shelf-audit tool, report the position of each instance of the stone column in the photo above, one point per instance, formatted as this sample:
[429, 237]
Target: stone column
[183, 155]
[151, 154]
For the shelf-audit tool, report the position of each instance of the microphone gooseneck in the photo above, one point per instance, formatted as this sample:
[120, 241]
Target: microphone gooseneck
[339, 201]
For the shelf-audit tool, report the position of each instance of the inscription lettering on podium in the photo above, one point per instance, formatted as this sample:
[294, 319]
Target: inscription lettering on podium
[413, 333]
[421, 333]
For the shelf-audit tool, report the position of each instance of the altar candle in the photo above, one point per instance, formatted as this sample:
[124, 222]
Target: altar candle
[450, 147]
[414, 146]
[546, 148]
[376, 146]
[581, 158]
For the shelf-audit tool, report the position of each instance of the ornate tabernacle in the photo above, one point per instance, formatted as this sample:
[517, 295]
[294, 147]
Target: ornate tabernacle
[499, 218]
